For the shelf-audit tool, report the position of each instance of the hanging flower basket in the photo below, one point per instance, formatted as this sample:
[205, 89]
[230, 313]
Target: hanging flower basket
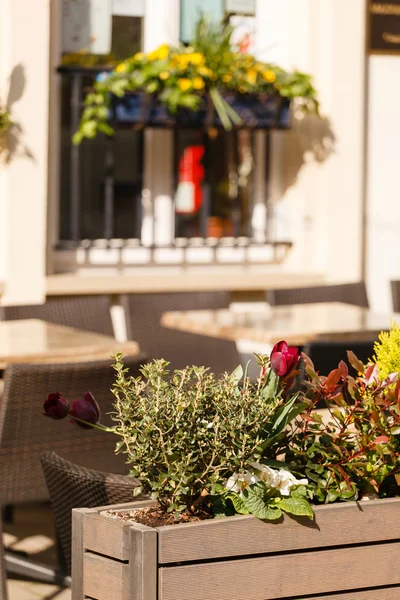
[254, 110]
[208, 83]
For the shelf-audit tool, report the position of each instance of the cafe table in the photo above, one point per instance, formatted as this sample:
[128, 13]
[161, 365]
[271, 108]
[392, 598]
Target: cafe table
[298, 324]
[36, 341]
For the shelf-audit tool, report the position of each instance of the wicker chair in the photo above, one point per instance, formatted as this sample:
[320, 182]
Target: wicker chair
[395, 287]
[25, 433]
[91, 313]
[327, 355]
[350, 293]
[144, 312]
[71, 486]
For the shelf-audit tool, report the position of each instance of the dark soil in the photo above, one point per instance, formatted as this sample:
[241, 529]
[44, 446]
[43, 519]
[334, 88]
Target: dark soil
[154, 516]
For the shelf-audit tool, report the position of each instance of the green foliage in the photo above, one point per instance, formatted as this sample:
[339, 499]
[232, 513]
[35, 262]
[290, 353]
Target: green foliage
[187, 432]
[5, 121]
[387, 351]
[353, 450]
[185, 77]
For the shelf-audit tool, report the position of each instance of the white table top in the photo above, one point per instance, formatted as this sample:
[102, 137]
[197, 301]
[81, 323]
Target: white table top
[35, 341]
[297, 324]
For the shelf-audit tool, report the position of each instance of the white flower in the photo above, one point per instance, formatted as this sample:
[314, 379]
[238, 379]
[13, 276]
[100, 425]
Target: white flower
[269, 476]
[287, 480]
[236, 481]
[280, 479]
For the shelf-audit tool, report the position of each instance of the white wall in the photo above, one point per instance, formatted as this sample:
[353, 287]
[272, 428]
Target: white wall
[319, 203]
[383, 183]
[24, 76]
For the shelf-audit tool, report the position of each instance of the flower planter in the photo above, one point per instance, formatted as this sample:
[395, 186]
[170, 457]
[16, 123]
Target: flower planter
[351, 550]
[258, 112]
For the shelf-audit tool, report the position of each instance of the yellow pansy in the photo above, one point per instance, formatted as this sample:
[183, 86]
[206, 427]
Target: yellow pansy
[251, 76]
[164, 75]
[121, 68]
[184, 84]
[268, 75]
[198, 83]
[138, 56]
[227, 77]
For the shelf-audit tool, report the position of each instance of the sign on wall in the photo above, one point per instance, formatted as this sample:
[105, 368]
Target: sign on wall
[384, 27]
[87, 26]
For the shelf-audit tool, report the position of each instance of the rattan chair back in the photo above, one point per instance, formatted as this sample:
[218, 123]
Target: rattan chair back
[143, 313]
[91, 313]
[71, 486]
[25, 433]
[350, 293]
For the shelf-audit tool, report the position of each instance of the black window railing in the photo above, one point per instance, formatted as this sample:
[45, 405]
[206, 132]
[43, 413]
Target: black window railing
[101, 202]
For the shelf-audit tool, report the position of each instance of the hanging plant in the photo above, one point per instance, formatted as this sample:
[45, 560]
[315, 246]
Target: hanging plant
[205, 75]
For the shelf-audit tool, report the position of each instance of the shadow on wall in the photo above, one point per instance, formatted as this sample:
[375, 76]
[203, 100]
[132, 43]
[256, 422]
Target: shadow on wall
[15, 146]
[311, 139]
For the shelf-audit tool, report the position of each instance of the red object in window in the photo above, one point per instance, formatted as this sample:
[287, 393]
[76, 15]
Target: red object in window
[190, 197]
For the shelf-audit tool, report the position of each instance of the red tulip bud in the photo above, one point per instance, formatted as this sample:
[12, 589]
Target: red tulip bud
[85, 409]
[284, 358]
[55, 407]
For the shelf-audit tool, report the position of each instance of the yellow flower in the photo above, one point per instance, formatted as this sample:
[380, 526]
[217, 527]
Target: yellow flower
[204, 71]
[160, 53]
[227, 77]
[184, 84]
[252, 76]
[164, 75]
[198, 83]
[269, 75]
[120, 68]
[196, 58]
[138, 56]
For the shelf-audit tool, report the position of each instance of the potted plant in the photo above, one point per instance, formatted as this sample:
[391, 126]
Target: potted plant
[208, 83]
[252, 493]
[5, 124]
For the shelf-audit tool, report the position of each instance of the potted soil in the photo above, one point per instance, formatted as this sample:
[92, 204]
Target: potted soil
[207, 84]
[254, 494]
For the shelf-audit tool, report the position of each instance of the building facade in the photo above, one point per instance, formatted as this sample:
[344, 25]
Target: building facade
[328, 185]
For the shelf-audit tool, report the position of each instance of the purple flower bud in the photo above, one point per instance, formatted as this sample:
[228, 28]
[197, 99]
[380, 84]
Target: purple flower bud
[284, 358]
[85, 409]
[56, 407]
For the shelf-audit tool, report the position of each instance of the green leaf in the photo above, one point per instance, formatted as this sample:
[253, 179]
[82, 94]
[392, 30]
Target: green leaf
[296, 505]
[256, 502]
[238, 504]
[238, 373]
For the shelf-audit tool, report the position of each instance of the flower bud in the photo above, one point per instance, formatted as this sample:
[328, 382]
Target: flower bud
[56, 407]
[85, 409]
[284, 358]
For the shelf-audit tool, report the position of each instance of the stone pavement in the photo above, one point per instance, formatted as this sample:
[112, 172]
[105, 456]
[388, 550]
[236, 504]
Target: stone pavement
[32, 532]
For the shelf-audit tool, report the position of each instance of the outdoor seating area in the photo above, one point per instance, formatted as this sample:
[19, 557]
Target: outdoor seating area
[43, 349]
[199, 300]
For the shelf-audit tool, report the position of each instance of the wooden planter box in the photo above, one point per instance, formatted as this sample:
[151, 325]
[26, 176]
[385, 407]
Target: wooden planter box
[256, 112]
[350, 552]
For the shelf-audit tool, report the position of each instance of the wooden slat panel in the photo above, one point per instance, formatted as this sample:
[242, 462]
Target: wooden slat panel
[283, 576]
[335, 525]
[143, 563]
[104, 579]
[77, 552]
[106, 536]
[392, 593]
[109, 536]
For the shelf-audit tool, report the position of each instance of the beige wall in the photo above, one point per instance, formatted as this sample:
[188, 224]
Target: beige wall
[383, 183]
[317, 168]
[24, 76]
